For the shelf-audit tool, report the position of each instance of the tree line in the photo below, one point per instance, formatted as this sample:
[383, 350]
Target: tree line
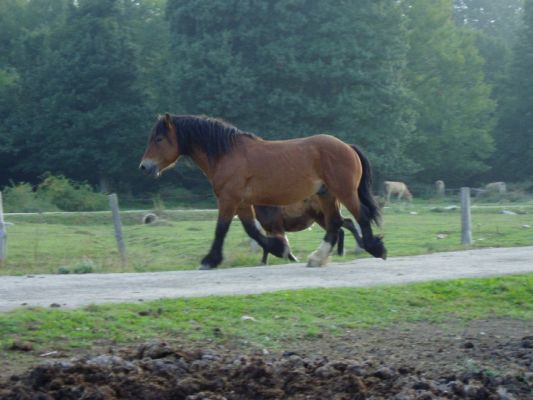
[430, 90]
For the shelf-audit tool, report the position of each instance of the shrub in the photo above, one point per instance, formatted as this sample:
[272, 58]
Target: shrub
[70, 196]
[52, 194]
[85, 266]
[21, 197]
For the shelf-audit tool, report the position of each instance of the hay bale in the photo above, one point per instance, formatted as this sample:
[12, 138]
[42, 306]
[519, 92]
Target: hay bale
[149, 218]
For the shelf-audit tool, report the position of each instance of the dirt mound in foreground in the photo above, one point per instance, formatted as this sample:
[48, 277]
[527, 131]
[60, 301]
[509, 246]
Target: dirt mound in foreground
[157, 370]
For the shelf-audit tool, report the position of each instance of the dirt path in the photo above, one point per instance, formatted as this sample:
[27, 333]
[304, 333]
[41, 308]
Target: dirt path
[79, 290]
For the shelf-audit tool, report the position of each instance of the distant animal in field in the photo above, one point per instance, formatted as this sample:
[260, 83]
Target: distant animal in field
[399, 189]
[440, 189]
[245, 170]
[297, 217]
[496, 187]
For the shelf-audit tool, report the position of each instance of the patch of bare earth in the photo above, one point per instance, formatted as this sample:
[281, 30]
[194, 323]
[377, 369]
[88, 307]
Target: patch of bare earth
[456, 360]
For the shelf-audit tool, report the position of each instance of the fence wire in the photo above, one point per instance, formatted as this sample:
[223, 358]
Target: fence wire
[177, 239]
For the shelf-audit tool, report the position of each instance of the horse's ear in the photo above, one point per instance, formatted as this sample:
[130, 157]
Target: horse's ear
[168, 120]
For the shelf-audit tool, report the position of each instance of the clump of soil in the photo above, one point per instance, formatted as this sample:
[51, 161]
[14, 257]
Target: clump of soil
[414, 362]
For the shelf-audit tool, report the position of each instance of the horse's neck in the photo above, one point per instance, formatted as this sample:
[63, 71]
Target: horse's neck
[200, 159]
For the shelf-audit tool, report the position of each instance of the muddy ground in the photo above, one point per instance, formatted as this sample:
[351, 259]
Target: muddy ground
[489, 359]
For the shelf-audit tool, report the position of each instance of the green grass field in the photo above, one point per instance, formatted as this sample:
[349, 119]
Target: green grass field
[84, 242]
[278, 318]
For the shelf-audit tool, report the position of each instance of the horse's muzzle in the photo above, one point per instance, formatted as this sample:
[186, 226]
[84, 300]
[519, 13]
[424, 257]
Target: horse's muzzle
[149, 168]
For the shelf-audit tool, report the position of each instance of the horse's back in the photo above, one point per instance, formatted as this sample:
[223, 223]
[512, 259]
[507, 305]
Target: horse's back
[282, 172]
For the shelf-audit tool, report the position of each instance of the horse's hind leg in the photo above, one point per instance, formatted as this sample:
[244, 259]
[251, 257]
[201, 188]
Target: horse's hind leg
[333, 220]
[372, 244]
[348, 224]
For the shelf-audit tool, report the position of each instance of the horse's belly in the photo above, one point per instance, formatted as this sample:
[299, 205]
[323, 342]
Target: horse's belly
[280, 193]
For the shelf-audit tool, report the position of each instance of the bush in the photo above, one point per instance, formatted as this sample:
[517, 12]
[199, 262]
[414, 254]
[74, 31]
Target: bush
[52, 194]
[85, 266]
[70, 196]
[22, 198]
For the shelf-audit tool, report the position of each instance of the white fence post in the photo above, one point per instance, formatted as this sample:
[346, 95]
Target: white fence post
[113, 203]
[466, 221]
[3, 235]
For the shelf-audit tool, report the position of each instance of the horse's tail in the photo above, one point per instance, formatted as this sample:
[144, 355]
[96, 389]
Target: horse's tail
[371, 208]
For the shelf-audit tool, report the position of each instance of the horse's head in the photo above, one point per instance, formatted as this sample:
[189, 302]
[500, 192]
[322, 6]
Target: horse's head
[162, 149]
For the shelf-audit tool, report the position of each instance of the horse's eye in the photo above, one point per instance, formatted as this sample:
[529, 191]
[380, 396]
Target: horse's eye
[158, 139]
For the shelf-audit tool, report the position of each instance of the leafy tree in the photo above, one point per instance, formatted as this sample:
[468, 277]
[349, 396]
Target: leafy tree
[82, 106]
[150, 38]
[514, 139]
[455, 110]
[295, 68]
[495, 23]
[497, 18]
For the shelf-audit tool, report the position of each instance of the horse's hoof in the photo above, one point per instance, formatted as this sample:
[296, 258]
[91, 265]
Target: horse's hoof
[313, 264]
[316, 262]
[205, 267]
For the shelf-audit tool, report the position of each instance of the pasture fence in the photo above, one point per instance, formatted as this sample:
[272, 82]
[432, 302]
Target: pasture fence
[172, 239]
[113, 203]
[466, 219]
[3, 235]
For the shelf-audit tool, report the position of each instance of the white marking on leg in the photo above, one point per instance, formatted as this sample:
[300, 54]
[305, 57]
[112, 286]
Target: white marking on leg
[287, 249]
[319, 257]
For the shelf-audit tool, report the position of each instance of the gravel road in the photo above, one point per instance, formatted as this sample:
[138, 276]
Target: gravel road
[79, 290]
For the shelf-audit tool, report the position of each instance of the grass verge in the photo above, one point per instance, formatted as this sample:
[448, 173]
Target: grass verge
[270, 320]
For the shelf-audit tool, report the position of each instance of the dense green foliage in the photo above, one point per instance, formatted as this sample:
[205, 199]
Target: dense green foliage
[514, 136]
[445, 72]
[298, 68]
[54, 193]
[428, 89]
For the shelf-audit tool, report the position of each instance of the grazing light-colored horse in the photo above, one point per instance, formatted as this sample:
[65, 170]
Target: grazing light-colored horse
[496, 187]
[440, 188]
[397, 188]
[245, 170]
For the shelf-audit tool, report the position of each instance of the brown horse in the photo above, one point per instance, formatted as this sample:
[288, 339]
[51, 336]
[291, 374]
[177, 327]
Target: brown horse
[245, 170]
[297, 217]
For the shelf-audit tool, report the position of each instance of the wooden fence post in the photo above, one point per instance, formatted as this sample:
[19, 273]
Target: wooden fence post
[113, 203]
[466, 230]
[3, 235]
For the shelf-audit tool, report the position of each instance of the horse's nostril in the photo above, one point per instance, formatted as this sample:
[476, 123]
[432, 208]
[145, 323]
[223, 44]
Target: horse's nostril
[142, 167]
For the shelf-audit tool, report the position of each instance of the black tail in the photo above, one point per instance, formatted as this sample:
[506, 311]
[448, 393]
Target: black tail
[365, 189]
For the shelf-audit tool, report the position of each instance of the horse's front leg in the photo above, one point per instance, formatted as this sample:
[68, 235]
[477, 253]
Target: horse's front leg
[226, 211]
[276, 245]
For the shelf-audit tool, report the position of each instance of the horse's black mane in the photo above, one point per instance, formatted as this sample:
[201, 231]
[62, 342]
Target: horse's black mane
[213, 136]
